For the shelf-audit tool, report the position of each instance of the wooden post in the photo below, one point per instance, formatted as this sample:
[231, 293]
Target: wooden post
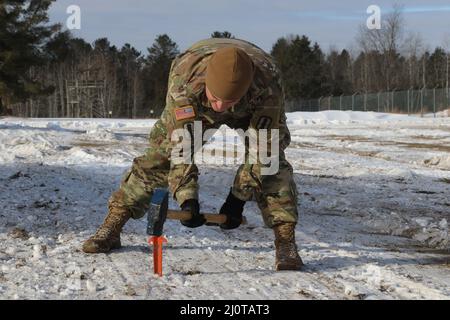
[407, 100]
[434, 102]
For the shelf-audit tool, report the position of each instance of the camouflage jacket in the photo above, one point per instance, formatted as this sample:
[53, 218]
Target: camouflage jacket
[261, 108]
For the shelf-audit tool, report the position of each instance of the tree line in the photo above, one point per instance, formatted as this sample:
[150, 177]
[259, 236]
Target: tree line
[46, 72]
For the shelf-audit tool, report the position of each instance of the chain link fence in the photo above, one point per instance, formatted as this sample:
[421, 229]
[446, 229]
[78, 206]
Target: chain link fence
[424, 101]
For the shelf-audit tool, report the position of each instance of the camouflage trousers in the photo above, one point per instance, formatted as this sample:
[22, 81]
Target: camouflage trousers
[276, 195]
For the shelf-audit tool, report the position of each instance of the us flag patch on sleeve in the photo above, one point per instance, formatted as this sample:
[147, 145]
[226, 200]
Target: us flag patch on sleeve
[184, 113]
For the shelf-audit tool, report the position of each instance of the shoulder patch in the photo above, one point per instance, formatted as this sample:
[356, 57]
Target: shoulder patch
[266, 117]
[185, 112]
[264, 122]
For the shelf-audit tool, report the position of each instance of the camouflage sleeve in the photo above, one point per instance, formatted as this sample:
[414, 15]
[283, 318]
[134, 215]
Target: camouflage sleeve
[275, 193]
[182, 178]
[268, 115]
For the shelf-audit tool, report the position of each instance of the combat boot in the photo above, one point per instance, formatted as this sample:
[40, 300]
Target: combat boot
[107, 236]
[286, 255]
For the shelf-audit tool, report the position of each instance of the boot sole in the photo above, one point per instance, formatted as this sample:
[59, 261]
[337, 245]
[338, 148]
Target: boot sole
[98, 249]
[289, 267]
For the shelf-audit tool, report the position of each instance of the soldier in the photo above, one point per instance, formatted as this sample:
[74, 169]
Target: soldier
[216, 81]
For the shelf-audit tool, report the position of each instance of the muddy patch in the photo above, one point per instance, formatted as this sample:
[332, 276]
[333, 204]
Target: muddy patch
[100, 144]
[422, 137]
[429, 146]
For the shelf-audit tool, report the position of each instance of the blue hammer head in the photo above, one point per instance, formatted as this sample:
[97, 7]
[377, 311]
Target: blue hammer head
[157, 212]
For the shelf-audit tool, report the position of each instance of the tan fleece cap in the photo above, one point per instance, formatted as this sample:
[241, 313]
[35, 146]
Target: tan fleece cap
[229, 73]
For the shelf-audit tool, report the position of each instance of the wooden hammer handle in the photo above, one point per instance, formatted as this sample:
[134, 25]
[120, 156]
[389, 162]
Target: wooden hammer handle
[210, 217]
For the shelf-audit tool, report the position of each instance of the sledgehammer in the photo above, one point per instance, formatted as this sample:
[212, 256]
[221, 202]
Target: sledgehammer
[158, 212]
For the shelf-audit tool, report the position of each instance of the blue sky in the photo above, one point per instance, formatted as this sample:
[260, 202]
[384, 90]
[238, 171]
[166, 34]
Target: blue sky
[330, 23]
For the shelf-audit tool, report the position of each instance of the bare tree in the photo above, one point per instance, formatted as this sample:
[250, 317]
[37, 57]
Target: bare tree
[386, 42]
[413, 48]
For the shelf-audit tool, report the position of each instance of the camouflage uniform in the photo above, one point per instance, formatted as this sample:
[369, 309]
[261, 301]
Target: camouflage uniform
[276, 195]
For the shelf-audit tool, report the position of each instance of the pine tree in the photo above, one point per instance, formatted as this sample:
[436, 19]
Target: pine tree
[302, 67]
[23, 35]
[158, 62]
[436, 72]
[130, 67]
[224, 34]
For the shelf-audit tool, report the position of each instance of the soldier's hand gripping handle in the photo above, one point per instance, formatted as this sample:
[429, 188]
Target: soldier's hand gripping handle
[232, 208]
[193, 207]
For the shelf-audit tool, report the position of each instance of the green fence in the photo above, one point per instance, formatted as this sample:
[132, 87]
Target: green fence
[424, 101]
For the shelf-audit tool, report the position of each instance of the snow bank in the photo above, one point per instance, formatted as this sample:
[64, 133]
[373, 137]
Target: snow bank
[442, 162]
[342, 117]
[74, 123]
[430, 231]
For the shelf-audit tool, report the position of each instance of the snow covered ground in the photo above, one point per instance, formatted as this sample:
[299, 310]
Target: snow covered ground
[374, 211]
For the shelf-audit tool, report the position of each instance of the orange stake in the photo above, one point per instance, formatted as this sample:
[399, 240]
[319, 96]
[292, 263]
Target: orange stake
[157, 252]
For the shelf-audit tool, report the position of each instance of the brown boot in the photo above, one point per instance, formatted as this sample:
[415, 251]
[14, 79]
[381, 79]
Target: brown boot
[286, 255]
[107, 236]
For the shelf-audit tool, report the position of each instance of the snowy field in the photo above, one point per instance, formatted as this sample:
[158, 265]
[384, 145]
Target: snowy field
[374, 211]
